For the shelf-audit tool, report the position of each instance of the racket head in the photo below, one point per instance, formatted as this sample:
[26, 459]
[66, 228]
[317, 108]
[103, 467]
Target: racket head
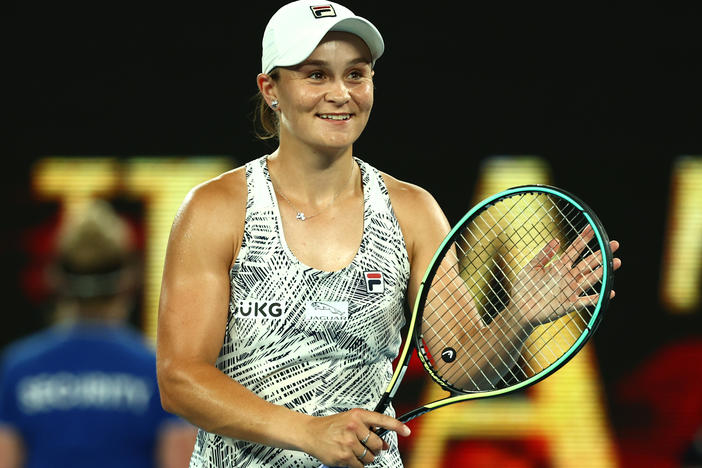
[492, 244]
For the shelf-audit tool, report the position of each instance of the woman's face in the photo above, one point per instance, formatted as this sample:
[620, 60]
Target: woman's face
[325, 102]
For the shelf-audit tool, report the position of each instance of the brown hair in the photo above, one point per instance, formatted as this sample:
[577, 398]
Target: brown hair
[266, 124]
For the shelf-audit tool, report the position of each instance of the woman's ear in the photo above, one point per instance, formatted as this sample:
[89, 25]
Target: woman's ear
[266, 85]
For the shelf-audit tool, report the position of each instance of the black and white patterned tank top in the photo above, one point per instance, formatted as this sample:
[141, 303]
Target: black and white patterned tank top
[317, 342]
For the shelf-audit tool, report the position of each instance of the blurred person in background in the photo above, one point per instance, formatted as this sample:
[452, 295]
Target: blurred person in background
[83, 393]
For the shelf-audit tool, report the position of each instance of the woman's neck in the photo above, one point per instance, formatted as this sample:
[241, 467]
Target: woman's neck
[313, 179]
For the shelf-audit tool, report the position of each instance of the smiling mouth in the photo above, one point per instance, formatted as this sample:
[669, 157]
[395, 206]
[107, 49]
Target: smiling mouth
[334, 116]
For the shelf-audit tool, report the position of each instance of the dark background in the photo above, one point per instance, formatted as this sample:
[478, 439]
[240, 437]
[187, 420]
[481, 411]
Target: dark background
[608, 97]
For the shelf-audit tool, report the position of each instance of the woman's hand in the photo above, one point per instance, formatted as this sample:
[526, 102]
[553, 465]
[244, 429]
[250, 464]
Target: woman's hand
[348, 438]
[545, 290]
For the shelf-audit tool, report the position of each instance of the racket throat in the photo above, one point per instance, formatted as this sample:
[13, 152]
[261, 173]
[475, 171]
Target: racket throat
[383, 403]
[415, 413]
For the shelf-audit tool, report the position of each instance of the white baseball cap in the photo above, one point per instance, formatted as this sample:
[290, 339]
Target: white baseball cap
[295, 30]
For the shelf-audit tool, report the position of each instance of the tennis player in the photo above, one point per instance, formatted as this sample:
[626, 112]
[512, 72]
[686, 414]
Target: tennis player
[286, 279]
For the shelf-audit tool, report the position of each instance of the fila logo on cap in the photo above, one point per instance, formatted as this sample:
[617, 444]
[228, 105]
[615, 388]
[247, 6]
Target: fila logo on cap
[323, 11]
[374, 282]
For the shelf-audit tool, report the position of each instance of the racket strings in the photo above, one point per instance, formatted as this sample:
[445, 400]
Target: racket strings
[514, 349]
[543, 236]
[485, 261]
[565, 217]
[495, 293]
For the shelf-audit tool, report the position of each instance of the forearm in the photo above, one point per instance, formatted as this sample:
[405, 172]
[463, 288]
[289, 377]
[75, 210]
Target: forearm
[500, 345]
[485, 353]
[211, 400]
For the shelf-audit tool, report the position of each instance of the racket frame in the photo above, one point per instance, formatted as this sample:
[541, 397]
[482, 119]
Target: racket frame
[414, 331]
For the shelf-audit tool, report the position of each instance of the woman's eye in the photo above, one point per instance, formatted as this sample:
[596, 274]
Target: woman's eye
[359, 74]
[316, 75]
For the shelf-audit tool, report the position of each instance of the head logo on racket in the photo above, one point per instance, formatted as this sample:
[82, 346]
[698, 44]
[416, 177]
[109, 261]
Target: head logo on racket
[448, 355]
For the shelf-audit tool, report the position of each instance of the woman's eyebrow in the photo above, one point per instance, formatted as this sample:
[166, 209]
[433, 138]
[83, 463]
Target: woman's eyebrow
[322, 63]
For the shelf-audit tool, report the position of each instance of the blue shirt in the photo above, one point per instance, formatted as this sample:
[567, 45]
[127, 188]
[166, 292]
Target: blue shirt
[83, 396]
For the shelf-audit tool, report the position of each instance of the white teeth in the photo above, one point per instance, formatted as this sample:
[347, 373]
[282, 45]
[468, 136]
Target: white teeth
[335, 116]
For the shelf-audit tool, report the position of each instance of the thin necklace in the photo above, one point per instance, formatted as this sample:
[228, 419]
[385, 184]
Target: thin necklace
[301, 216]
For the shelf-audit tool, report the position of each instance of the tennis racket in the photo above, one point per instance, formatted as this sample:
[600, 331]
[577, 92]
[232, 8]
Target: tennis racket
[514, 291]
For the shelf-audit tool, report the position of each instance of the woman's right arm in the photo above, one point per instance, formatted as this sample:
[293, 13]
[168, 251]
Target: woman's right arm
[193, 309]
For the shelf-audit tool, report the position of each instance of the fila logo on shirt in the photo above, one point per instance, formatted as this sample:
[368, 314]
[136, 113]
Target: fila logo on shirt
[323, 11]
[374, 282]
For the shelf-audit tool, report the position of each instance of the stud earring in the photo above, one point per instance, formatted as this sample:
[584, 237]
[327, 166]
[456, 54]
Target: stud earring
[274, 104]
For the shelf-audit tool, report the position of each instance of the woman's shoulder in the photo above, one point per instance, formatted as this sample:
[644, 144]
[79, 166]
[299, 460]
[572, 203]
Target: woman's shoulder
[218, 203]
[211, 218]
[420, 217]
[408, 195]
[225, 192]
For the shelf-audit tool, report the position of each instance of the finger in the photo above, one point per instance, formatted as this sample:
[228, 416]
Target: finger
[579, 244]
[376, 444]
[371, 440]
[616, 263]
[585, 301]
[383, 444]
[545, 255]
[591, 300]
[592, 261]
[364, 439]
[364, 455]
[584, 281]
[378, 420]
[613, 247]
[589, 263]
